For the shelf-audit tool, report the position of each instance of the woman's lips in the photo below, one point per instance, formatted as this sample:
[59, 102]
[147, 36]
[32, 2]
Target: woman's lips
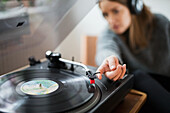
[115, 27]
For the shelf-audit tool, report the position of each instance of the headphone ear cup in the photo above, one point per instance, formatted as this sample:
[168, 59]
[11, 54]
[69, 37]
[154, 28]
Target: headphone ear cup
[135, 6]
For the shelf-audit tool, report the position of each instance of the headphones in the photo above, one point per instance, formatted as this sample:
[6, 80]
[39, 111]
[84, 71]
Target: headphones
[136, 6]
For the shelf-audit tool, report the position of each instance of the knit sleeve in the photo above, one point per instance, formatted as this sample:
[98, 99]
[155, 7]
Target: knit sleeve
[169, 30]
[107, 46]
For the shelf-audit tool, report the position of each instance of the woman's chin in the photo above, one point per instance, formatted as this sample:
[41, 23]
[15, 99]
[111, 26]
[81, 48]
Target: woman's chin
[117, 31]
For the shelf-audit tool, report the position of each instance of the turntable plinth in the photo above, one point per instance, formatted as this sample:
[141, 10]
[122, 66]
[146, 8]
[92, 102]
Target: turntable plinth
[132, 102]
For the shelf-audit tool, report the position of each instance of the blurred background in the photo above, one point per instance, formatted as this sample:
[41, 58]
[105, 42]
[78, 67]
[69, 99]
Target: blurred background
[31, 27]
[93, 24]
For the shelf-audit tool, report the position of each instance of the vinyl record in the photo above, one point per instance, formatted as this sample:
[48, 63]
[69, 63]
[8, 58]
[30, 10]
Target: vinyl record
[45, 91]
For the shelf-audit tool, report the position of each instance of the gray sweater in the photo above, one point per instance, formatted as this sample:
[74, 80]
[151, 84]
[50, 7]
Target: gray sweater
[155, 58]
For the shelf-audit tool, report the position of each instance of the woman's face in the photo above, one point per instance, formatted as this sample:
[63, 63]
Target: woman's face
[117, 15]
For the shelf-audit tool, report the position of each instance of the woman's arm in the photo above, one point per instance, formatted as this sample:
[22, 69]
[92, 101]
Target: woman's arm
[107, 46]
[108, 57]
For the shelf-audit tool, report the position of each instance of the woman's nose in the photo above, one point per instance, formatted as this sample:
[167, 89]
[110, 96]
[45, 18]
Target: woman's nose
[111, 19]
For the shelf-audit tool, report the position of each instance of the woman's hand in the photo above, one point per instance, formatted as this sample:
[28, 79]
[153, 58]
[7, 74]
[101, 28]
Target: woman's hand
[111, 68]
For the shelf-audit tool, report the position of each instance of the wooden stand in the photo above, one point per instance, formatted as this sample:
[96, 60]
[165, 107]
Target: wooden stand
[132, 102]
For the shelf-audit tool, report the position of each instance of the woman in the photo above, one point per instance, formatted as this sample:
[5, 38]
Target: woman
[140, 40]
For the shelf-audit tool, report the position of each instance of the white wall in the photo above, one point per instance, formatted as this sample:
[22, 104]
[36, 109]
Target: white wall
[93, 23]
[159, 6]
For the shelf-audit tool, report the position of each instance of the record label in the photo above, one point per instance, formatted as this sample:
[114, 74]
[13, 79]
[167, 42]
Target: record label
[39, 87]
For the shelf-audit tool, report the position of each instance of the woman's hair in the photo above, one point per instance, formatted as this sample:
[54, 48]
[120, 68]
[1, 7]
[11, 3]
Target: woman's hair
[140, 30]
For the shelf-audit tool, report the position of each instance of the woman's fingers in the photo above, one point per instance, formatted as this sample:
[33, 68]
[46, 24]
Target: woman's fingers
[102, 68]
[114, 74]
[113, 62]
[112, 69]
[123, 71]
[110, 74]
[119, 74]
[116, 61]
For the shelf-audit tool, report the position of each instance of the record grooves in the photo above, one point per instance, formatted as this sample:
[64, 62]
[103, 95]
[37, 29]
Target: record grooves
[70, 94]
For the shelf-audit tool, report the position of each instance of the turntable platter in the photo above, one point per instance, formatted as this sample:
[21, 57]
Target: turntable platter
[42, 91]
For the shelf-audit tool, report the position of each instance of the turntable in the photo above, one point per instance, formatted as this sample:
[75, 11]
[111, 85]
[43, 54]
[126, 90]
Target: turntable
[60, 85]
[55, 85]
